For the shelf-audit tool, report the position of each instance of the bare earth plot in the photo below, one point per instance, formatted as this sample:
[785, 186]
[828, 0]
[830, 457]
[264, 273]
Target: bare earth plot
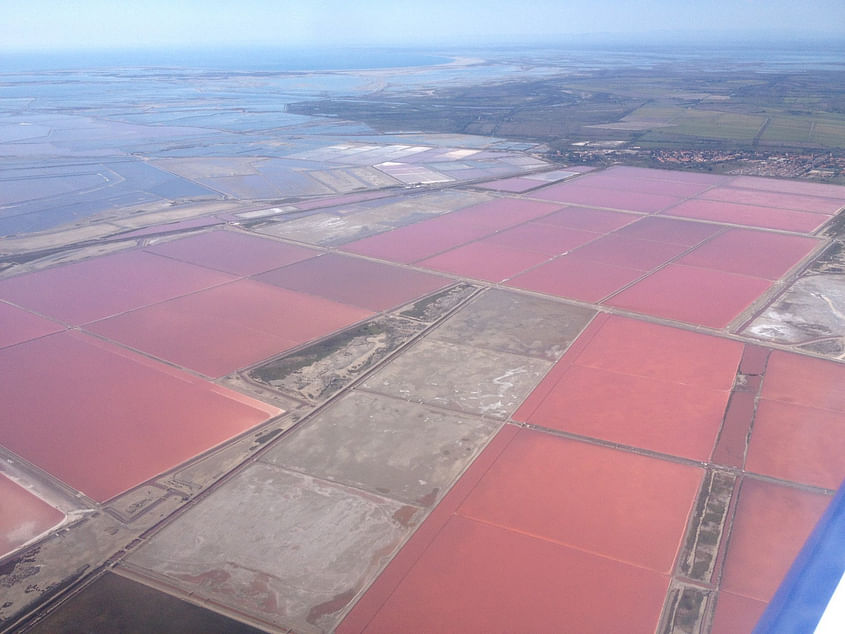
[440, 411]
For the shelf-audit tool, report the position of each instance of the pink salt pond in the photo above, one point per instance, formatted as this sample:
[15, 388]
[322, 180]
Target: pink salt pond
[575, 192]
[780, 200]
[545, 239]
[670, 230]
[749, 215]
[228, 327]
[92, 289]
[757, 253]
[616, 181]
[693, 295]
[23, 516]
[371, 285]
[577, 278]
[232, 252]
[484, 261]
[414, 242]
[588, 219]
[113, 419]
[633, 253]
[18, 325]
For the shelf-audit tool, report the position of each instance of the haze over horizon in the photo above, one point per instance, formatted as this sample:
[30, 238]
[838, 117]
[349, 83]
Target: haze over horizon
[44, 25]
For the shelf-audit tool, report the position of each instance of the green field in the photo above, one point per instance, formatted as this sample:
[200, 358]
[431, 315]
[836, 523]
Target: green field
[679, 108]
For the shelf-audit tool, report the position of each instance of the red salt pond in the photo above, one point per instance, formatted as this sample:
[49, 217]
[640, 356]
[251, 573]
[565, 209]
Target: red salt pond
[228, 327]
[92, 289]
[757, 253]
[575, 192]
[731, 448]
[482, 219]
[732, 445]
[513, 582]
[415, 242]
[669, 418]
[667, 175]
[792, 378]
[798, 443]
[670, 230]
[775, 199]
[355, 281]
[799, 428]
[749, 215]
[502, 212]
[546, 239]
[693, 295]
[113, 419]
[529, 490]
[428, 238]
[588, 219]
[17, 325]
[231, 252]
[519, 527]
[754, 359]
[631, 346]
[772, 523]
[484, 261]
[614, 180]
[629, 252]
[788, 186]
[23, 516]
[576, 277]
[735, 613]
[639, 384]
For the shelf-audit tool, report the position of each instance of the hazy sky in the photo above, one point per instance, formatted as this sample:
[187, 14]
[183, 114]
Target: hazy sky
[43, 24]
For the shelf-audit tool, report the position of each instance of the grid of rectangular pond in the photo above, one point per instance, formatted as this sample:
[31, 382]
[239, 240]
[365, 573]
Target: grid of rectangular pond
[430, 237]
[341, 491]
[618, 365]
[502, 523]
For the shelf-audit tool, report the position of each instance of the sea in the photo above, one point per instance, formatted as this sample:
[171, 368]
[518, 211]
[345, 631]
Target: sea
[255, 59]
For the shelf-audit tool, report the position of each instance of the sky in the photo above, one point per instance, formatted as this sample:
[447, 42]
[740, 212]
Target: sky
[63, 24]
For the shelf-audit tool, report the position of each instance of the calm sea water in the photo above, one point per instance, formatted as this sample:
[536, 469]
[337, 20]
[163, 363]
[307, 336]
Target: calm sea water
[829, 55]
[252, 60]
